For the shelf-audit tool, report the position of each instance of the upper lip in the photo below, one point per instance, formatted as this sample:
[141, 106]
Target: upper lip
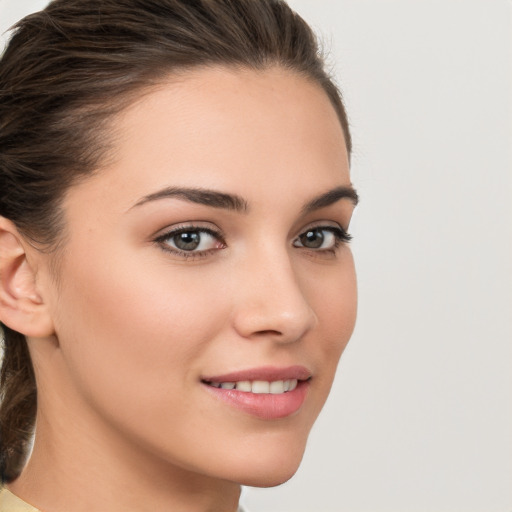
[265, 373]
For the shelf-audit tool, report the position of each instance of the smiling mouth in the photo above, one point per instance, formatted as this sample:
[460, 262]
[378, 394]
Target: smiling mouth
[265, 380]
[258, 387]
[265, 399]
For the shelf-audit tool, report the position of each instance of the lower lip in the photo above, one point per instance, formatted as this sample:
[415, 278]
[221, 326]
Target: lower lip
[265, 405]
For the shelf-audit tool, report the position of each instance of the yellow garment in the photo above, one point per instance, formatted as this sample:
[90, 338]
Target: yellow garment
[11, 503]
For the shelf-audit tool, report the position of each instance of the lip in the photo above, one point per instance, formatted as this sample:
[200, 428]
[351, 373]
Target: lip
[269, 373]
[263, 406]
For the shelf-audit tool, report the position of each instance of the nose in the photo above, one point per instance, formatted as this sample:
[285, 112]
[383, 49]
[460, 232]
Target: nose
[270, 302]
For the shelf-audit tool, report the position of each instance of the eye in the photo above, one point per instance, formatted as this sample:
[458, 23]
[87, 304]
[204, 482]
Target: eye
[322, 238]
[190, 240]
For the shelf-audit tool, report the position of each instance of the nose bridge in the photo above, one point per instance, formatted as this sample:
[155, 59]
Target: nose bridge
[270, 299]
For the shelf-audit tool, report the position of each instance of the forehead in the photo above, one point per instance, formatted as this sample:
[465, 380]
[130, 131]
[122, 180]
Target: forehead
[246, 131]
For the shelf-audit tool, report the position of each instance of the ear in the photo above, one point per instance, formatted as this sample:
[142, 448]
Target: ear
[22, 308]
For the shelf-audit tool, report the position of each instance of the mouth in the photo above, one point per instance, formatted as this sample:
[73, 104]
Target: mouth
[267, 393]
[262, 387]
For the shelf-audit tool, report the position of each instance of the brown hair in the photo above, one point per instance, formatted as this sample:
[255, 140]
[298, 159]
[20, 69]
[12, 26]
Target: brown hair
[65, 73]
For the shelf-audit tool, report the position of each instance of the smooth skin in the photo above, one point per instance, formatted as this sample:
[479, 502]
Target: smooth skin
[122, 338]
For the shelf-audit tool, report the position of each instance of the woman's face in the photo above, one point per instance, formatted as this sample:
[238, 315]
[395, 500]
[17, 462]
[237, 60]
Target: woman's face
[211, 253]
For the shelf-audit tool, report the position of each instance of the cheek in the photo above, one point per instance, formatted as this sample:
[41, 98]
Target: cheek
[128, 330]
[334, 300]
[335, 303]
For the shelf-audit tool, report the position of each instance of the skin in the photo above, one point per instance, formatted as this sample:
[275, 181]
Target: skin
[129, 328]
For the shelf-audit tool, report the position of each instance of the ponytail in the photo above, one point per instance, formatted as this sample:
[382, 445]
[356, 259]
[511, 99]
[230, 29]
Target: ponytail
[18, 400]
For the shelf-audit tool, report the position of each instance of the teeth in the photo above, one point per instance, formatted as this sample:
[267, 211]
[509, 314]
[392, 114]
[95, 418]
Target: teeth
[276, 387]
[259, 386]
[244, 385]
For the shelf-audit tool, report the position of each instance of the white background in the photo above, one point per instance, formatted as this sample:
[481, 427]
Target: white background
[420, 417]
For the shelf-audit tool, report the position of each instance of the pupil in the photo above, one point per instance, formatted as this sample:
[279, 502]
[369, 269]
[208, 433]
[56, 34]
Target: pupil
[187, 241]
[312, 239]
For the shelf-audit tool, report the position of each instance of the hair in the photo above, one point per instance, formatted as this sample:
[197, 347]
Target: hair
[65, 74]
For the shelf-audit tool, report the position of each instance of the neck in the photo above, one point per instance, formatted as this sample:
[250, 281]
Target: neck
[77, 469]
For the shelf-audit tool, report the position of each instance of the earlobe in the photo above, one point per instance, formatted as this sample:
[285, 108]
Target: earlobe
[21, 306]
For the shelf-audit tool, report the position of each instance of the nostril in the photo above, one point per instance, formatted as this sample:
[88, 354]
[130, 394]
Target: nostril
[268, 332]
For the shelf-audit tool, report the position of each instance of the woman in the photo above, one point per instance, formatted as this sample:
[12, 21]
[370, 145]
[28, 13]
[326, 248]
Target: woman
[176, 284]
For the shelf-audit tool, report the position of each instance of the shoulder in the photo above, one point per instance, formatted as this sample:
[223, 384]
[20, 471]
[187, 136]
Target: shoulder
[11, 503]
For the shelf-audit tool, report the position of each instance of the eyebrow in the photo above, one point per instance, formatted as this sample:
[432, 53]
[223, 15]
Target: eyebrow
[200, 196]
[331, 197]
[236, 203]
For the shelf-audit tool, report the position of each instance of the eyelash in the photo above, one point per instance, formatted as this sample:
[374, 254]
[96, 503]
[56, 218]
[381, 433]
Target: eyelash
[340, 237]
[162, 241]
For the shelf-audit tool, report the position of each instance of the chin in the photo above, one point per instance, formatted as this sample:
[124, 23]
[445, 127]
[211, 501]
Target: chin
[271, 479]
[268, 468]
